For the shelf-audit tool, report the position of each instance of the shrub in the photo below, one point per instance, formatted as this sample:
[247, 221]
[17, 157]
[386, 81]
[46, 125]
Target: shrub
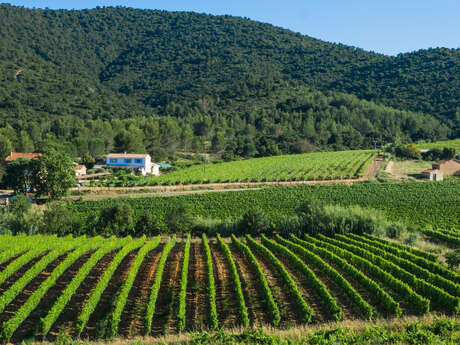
[147, 225]
[254, 222]
[453, 258]
[116, 220]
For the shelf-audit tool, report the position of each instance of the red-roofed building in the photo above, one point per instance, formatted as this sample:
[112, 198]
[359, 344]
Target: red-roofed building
[15, 155]
[80, 170]
[448, 167]
[433, 174]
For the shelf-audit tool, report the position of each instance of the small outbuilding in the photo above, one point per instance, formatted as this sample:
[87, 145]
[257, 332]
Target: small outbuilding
[448, 167]
[80, 170]
[433, 174]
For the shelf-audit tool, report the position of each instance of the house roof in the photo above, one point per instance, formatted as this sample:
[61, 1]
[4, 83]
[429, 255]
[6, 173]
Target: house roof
[15, 155]
[430, 171]
[127, 155]
[79, 167]
[444, 161]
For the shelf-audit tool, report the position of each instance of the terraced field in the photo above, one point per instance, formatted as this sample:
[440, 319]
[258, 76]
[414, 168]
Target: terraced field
[455, 144]
[318, 166]
[97, 287]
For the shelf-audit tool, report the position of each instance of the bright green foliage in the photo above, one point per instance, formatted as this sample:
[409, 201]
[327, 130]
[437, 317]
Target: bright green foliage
[455, 144]
[64, 298]
[96, 294]
[333, 255]
[157, 283]
[432, 267]
[10, 326]
[183, 287]
[409, 280]
[331, 304]
[9, 295]
[398, 201]
[128, 283]
[213, 319]
[364, 307]
[294, 291]
[413, 251]
[439, 331]
[310, 166]
[236, 282]
[442, 235]
[421, 304]
[54, 174]
[270, 303]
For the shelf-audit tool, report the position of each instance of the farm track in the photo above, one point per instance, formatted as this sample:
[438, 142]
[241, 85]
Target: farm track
[66, 320]
[132, 319]
[197, 304]
[289, 312]
[100, 319]
[163, 319]
[252, 293]
[226, 302]
[31, 325]
[22, 297]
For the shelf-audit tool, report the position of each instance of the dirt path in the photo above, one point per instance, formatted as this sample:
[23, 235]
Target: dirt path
[197, 307]
[226, 302]
[252, 293]
[165, 311]
[132, 318]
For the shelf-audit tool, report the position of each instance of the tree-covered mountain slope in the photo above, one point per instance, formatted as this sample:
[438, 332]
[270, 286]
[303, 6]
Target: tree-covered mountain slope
[122, 63]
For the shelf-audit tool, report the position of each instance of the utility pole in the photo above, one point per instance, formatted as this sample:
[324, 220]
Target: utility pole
[375, 157]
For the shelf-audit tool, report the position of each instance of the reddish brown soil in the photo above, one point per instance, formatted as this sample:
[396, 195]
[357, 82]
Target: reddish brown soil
[22, 297]
[166, 306]
[290, 314]
[132, 319]
[226, 302]
[99, 321]
[197, 307]
[252, 293]
[31, 325]
[66, 320]
[19, 273]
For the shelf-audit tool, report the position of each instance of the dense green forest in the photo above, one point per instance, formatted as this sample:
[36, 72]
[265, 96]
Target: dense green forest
[121, 79]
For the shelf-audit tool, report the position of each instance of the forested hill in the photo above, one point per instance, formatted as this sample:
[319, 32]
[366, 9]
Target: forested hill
[121, 63]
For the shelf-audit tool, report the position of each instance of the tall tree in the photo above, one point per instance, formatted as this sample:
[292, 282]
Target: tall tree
[54, 174]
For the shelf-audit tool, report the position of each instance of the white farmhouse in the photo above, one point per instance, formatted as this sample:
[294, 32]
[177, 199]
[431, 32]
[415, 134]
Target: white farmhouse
[141, 163]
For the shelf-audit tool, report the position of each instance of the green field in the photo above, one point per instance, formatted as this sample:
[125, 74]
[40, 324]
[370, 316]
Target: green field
[420, 203]
[440, 144]
[316, 166]
[97, 288]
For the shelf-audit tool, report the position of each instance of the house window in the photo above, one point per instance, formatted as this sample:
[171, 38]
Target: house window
[138, 161]
[128, 160]
[113, 160]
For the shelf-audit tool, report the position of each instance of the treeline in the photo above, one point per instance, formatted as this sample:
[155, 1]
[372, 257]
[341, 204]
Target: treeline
[120, 219]
[292, 120]
[111, 63]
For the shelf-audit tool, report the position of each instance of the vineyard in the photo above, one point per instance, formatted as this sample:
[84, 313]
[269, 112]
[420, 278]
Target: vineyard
[455, 144]
[430, 203]
[319, 166]
[105, 287]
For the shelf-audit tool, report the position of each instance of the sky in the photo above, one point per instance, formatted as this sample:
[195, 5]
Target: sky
[384, 26]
